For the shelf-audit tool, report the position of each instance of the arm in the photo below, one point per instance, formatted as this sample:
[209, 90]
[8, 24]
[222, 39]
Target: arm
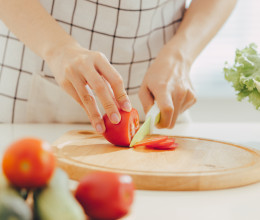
[172, 87]
[72, 65]
[200, 24]
[29, 21]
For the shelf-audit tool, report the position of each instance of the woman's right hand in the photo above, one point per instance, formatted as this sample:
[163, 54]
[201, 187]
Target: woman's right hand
[79, 71]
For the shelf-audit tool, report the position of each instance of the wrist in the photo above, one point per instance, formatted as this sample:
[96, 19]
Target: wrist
[176, 56]
[180, 51]
[54, 49]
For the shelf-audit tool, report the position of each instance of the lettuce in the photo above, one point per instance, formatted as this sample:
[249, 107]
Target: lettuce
[244, 75]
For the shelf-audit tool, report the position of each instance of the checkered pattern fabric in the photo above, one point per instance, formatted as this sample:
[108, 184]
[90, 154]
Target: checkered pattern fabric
[129, 32]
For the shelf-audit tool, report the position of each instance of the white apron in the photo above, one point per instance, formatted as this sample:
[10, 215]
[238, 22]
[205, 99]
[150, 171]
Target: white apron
[129, 32]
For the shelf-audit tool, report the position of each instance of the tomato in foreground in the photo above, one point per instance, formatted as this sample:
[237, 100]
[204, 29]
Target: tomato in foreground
[105, 195]
[28, 163]
[122, 133]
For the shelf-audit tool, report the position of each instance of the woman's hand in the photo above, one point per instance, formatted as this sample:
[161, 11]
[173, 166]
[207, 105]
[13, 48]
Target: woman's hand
[79, 71]
[167, 81]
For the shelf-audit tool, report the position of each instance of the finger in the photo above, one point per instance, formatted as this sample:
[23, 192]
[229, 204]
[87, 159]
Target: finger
[71, 91]
[87, 98]
[68, 87]
[189, 100]
[115, 80]
[111, 91]
[167, 109]
[178, 100]
[146, 98]
[99, 86]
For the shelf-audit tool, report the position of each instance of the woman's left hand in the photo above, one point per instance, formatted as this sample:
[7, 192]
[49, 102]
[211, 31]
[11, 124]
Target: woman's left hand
[167, 81]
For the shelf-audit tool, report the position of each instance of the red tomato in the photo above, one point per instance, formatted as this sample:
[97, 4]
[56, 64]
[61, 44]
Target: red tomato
[166, 147]
[28, 163]
[105, 195]
[122, 133]
[151, 140]
[168, 144]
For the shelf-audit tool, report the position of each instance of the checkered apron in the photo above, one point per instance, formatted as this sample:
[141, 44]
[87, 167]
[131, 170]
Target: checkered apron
[129, 32]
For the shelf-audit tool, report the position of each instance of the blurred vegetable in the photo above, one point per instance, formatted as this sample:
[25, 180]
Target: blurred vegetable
[245, 74]
[28, 163]
[55, 201]
[105, 195]
[12, 205]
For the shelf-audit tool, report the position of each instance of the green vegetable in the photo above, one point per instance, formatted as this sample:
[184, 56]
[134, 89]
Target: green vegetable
[245, 74]
[12, 205]
[55, 201]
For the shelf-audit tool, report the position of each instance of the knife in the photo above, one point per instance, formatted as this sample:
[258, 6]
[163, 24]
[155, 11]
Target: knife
[152, 118]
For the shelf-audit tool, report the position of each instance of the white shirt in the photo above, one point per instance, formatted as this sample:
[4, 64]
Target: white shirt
[129, 32]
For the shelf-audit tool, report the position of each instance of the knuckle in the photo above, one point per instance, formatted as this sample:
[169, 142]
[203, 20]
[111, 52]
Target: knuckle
[87, 98]
[95, 117]
[108, 106]
[182, 93]
[67, 68]
[99, 55]
[80, 60]
[191, 96]
[159, 85]
[70, 76]
[68, 71]
[118, 80]
[121, 96]
[167, 109]
[99, 87]
[65, 84]
[162, 125]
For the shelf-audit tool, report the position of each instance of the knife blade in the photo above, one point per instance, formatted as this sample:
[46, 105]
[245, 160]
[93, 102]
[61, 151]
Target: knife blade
[152, 118]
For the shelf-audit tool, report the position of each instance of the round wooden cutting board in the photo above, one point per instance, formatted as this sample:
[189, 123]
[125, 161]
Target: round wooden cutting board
[197, 164]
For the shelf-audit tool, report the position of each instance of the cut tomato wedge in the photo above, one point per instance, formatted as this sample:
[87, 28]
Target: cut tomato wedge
[151, 141]
[162, 145]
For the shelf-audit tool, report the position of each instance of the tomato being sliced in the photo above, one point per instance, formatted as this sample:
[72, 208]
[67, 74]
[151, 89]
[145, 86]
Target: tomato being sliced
[163, 145]
[152, 140]
[122, 133]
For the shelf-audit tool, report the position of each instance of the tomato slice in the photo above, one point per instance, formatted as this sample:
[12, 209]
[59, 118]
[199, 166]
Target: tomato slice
[171, 147]
[163, 145]
[152, 141]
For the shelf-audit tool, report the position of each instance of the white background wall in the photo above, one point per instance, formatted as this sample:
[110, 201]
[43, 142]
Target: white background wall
[216, 97]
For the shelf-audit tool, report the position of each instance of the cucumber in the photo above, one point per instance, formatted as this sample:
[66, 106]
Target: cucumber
[55, 201]
[12, 205]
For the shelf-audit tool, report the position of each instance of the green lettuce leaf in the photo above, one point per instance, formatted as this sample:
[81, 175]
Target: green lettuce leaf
[244, 74]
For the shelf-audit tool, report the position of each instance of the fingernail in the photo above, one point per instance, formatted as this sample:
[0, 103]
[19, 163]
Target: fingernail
[99, 128]
[115, 118]
[127, 106]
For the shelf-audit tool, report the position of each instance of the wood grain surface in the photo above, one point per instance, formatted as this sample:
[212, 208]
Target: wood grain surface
[197, 164]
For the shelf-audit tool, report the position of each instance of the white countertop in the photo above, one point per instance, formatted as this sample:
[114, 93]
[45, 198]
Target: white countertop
[238, 203]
